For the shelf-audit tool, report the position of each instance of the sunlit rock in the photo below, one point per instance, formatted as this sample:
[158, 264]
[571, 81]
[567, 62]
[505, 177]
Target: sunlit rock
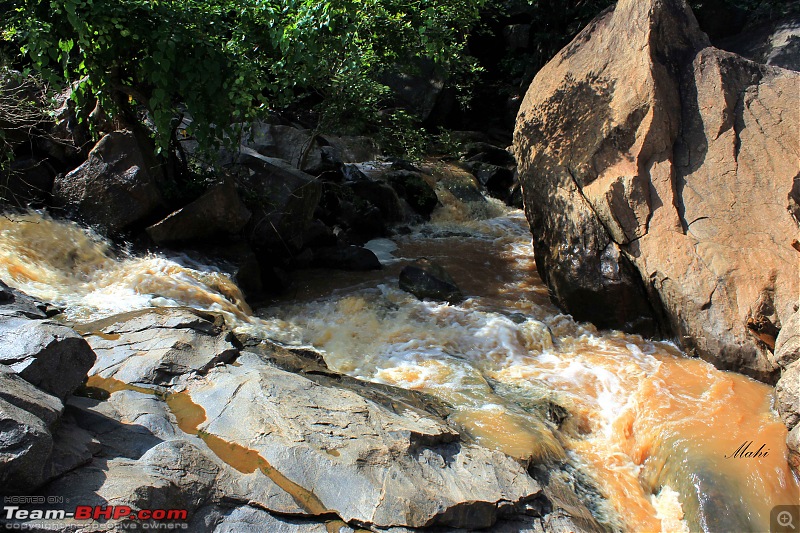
[657, 173]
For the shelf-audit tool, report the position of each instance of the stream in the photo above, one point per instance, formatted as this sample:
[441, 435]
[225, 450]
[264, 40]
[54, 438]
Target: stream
[654, 432]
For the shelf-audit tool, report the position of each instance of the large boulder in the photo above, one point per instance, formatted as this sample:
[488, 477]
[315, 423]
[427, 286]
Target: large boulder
[427, 279]
[656, 172]
[117, 186]
[280, 432]
[787, 390]
[41, 364]
[19, 393]
[414, 189]
[217, 214]
[354, 258]
[52, 357]
[303, 149]
[787, 345]
[404, 468]
[15, 303]
[281, 198]
[169, 420]
[380, 195]
[25, 445]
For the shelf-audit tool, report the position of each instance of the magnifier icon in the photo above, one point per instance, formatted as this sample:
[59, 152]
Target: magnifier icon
[785, 519]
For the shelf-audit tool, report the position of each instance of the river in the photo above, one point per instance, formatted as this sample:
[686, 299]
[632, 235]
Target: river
[654, 432]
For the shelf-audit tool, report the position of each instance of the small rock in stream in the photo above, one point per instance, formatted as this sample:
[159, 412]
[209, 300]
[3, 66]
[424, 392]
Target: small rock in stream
[427, 279]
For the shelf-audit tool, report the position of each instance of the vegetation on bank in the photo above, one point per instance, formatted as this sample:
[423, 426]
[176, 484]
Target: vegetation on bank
[225, 62]
[152, 63]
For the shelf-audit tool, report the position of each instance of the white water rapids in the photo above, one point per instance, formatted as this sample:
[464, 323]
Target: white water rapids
[639, 418]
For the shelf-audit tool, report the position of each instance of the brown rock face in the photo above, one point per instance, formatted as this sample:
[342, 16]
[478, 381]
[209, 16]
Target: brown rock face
[657, 173]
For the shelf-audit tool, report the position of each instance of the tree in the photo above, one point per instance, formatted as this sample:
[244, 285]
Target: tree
[224, 62]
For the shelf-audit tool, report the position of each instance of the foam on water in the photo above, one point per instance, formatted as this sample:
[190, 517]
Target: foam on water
[383, 248]
[74, 268]
[641, 417]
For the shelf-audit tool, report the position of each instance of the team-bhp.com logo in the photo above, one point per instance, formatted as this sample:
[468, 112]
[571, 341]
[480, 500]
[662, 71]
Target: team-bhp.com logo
[97, 512]
[19, 518]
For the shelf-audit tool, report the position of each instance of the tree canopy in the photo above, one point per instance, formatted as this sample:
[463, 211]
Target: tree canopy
[225, 61]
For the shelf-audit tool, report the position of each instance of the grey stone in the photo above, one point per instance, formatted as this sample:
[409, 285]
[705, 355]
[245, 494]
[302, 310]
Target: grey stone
[488, 153]
[787, 345]
[14, 303]
[381, 195]
[25, 445]
[302, 149]
[73, 447]
[353, 258]
[271, 448]
[414, 189]
[131, 423]
[116, 187]
[354, 149]
[170, 475]
[419, 89]
[497, 180]
[158, 347]
[793, 443]
[22, 394]
[787, 392]
[48, 355]
[427, 279]
[128, 424]
[247, 519]
[398, 470]
[216, 214]
[281, 198]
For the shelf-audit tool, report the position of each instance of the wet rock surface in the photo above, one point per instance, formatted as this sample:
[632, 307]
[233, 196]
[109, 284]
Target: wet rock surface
[412, 187]
[52, 357]
[428, 279]
[157, 346]
[353, 258]
[25, 446]
[410, 466]
[179, 413]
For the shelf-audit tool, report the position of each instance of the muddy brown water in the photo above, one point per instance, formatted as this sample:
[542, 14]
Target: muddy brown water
[655, 431]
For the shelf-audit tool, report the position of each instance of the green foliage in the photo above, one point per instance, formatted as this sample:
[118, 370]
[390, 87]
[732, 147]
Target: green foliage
[224, 62]
[150, 53]
[402, 136]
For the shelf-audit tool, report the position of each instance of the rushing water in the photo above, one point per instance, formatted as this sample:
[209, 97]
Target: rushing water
[654, 430]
